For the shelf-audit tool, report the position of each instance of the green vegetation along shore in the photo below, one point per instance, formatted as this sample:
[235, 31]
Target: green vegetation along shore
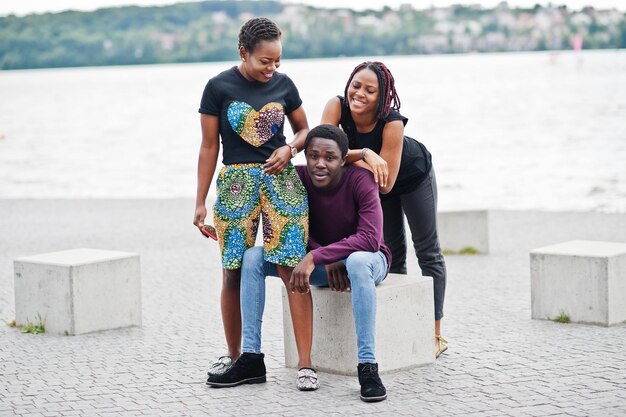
[207, 31]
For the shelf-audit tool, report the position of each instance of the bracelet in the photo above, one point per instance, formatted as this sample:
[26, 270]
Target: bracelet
[363, 151]
[293, 150]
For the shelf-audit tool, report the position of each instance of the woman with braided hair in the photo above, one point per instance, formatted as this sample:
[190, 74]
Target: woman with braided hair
[369, 114]
[246, 106]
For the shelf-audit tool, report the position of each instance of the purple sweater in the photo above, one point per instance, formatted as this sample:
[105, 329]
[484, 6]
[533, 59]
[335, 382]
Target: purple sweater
[346, 219]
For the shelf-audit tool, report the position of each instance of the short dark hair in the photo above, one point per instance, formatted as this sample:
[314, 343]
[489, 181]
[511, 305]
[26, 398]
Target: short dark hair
[256, 30]
[328, 132]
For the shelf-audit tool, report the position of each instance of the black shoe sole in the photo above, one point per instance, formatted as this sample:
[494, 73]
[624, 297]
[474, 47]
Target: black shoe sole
[254, 380]
[374, 399]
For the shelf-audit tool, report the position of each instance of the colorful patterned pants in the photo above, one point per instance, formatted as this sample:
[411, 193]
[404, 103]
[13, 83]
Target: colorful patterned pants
[244, 195]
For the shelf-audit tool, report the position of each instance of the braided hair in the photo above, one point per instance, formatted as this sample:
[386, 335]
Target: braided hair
[256, 30]
[388, 97]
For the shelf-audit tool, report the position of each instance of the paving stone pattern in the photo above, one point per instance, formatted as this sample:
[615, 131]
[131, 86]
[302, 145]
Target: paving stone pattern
[500, 362]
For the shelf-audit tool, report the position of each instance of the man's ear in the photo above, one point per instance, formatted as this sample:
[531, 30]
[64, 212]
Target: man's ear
[343, 160]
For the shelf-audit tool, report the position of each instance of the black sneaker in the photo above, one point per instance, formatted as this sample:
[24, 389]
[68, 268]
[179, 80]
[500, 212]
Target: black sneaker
[372, 388]
[248, 369]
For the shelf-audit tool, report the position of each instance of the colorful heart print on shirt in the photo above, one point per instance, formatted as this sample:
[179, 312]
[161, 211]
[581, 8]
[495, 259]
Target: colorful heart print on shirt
[255, 127]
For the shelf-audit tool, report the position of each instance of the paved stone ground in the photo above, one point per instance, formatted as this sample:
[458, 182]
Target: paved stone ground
[500, 362]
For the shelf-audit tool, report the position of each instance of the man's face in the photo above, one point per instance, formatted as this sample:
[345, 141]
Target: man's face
[324, 163]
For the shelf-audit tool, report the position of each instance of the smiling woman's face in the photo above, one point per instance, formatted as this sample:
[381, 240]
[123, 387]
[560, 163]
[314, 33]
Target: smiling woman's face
[261, 63]
[363, 92]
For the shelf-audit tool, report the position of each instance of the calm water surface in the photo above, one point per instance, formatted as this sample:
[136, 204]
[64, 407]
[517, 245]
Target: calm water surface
[517, 131]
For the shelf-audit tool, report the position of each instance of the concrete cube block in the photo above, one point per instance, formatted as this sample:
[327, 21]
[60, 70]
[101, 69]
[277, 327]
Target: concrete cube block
[458, 230]
[404, 327]
[78, 291]
[585, 280]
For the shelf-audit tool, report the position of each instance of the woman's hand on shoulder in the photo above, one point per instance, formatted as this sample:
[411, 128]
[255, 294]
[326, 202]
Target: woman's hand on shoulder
[391, 151]
[378, 166]
[332, 112]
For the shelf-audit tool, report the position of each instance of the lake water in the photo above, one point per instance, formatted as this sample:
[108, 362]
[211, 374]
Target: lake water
[515, 131]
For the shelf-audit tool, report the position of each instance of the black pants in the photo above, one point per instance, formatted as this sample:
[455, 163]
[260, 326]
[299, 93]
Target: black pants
[420, 208]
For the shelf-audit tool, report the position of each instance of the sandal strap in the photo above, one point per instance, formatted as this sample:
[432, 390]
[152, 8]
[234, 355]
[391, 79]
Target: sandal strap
[442, 345]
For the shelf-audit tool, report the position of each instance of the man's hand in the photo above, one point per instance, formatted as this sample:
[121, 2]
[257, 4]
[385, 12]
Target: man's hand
[301, 273]
[338, 277]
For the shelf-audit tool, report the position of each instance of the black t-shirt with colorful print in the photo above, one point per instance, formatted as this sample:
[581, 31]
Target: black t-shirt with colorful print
[251, 113]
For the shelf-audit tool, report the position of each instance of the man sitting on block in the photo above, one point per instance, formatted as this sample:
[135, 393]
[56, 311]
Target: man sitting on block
[346, 253]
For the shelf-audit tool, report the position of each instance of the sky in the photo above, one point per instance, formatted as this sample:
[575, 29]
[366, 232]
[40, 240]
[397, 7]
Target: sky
[22, 7]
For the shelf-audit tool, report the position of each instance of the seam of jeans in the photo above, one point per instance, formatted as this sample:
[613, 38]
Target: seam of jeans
[257, 320]
[384, 268]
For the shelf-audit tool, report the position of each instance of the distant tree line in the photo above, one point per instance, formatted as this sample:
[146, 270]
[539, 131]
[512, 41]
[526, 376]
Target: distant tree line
[207, 31]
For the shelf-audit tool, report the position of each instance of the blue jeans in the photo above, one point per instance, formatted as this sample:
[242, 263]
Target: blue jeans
[365, 271]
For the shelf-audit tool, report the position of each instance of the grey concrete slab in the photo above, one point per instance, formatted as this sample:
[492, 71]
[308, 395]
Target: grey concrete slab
[500, 362]
[498, 231]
